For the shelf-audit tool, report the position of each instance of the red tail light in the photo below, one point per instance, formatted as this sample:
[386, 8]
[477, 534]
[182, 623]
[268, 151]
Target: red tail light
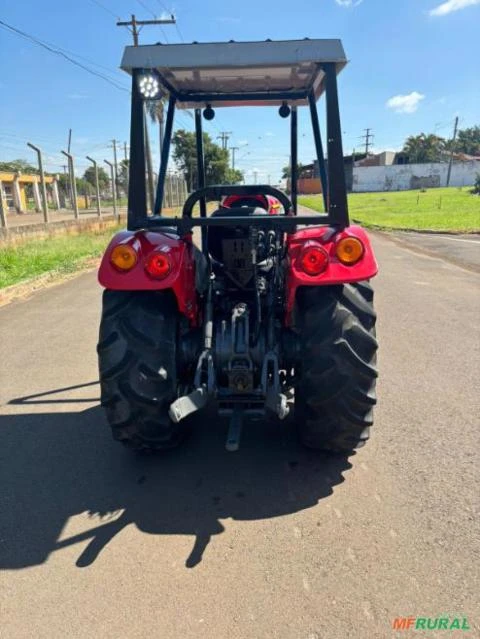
[158, 265]
[313, 260]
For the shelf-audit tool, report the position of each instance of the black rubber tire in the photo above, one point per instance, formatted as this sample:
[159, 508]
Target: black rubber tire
[335, 385]
[137, 365]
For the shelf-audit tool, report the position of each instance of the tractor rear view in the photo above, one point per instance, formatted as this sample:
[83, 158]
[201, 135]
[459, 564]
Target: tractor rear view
[269, 311]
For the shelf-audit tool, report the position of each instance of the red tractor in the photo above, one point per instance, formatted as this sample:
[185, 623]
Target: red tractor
[267, 311]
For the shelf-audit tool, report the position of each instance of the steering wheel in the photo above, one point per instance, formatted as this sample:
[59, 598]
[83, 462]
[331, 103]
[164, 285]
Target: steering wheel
[217, 192]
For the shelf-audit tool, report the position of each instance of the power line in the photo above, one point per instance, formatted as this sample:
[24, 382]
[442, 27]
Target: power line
[102, 6]
[179, 32]
[162, 4]
[60, 53]
[147, 9]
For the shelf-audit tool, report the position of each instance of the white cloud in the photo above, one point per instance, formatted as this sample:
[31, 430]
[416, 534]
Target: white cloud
[348, 3]
[77, 96]
[452, 5]
[269, 134]
[405, 103]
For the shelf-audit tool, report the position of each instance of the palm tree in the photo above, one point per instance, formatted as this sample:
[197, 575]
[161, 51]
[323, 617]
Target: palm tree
[156, 111]
[424, 148]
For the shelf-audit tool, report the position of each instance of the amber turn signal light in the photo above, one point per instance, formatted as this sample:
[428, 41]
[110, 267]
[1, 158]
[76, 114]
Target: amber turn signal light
[349, 250]
[313, 260]
[158, 265]
[123, 257]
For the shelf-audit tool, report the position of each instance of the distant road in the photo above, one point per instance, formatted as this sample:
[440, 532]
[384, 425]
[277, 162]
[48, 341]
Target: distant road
[272, 542]
[15, 219]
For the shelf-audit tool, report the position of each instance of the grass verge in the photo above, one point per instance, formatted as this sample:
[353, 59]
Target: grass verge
[453, 209]
[61, 254]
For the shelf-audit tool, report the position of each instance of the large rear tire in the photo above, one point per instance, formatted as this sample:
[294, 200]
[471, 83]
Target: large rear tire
[335, 386]
[137, 364]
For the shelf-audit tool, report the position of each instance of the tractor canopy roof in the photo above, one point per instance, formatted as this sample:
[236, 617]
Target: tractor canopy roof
[238, 73]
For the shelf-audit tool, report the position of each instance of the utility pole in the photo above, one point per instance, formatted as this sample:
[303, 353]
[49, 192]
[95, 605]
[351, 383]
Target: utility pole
[114, 143]
[255, 175]
[69, 151]
[125, 153]
[233, 149]
[455, 129]
[133, 25]
[224, 136]
[367, 137]
[3, 212]
[114, 190]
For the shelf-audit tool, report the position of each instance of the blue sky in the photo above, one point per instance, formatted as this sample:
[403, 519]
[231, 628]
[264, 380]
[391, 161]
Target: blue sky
[413, 67]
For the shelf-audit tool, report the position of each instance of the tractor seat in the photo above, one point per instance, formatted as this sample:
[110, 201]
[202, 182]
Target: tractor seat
[224, 241]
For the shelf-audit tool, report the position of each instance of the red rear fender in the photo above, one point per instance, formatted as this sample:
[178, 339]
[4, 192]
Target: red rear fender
[180, 279]
[335, 272]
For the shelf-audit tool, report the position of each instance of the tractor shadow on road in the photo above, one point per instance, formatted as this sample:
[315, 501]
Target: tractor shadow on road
[57, 465]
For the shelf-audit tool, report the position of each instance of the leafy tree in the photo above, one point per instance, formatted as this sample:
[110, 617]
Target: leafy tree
[233, 176]
[286, 172]
[185, 156]
[468, 141]
[18, 165]
[103, 179]
[424, 148]
[84, 187]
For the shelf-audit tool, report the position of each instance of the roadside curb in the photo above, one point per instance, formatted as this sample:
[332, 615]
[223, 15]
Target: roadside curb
[24, 290]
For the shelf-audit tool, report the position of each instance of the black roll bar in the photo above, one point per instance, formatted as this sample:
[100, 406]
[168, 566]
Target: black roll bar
[201, 176]
[337, 187]
[293, 157]
[333, 185]
[137, 189]
[165, 153]
[216, 192]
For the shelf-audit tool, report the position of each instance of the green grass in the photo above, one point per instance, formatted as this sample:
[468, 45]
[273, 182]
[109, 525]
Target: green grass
[63, 254]
[450, 209]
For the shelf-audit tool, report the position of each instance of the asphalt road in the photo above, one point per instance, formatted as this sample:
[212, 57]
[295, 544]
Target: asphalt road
[463, 250]
[270, 542]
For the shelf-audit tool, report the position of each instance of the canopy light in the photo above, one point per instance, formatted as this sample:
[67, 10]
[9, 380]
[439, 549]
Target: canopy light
[208, 113]
[284, 110]
[148, 85]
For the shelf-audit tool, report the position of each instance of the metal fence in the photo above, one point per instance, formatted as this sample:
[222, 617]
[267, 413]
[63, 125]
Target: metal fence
[48, 198]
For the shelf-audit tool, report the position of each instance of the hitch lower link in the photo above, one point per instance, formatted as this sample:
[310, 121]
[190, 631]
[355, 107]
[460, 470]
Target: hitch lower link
[240, 374]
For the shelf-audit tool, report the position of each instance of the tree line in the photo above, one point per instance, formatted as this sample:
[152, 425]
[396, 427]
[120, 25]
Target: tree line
[433, 148]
